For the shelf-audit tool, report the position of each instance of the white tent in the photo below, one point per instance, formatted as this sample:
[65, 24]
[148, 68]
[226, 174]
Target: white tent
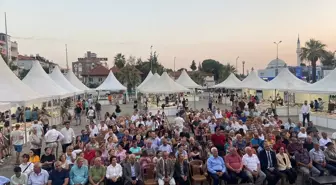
[150, 74]
[326, 85]
[231, 82]
[286, 81]
[71, 77]
[13, 90]
[163, 85]
[253, 81]
[149, 82]
[40, 81]
[111, 84]
[186, 81]
[59, 78]
[5, 106]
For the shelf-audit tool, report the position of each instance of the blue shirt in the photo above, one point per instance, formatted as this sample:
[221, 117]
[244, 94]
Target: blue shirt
[28, 114]
[258, 141]
[216, 164]
[58, 177]
[34, 115]
[79, 175]
[85, 138]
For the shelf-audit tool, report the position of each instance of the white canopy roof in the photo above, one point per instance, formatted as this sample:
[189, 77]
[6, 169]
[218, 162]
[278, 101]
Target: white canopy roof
[40, 81]
[150, 74]
[231, 82]
[163, 85]
[286, 81]
[253, 81]
[111, 84]
[326, 85]
[149, 82]
[13, 90]
[59, 78]
[186, 81]
[71, 77]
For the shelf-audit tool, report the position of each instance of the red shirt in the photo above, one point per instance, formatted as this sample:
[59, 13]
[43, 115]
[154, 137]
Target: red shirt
[89, 155]
[234, 161]
[228, 114]
[218, 140]
[277, 146]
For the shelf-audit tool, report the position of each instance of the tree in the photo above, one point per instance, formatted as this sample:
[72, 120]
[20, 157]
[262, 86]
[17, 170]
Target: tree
[328, 59]
[226, 71]
[119, 60]
[213, 67]
[181, 69]
[131, 60]
[193, 66]
[198, 77]
[313, 51]
[130, 76]
[23, 73]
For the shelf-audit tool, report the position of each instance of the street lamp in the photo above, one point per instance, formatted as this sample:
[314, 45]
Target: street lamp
[243, 67]
[237, 64]
[277, 58]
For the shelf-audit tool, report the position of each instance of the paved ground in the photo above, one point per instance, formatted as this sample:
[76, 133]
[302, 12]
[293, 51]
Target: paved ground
[7, 168]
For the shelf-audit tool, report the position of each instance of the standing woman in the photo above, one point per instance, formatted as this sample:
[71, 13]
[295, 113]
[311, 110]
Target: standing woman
[6, 135]
[284, 166]
[35, 142]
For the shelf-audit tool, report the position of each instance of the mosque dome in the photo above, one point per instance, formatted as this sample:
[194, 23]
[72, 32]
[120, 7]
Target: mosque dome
[276, 62]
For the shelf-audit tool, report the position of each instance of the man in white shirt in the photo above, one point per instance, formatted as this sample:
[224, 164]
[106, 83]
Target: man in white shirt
[252, 167]
[91, 114]
[113, 171]
[94, 131]
[305, 110]
[19, 178]
[38, 127]
[69, 136]
[17, 140]
[51, 138]
[218, 114]
[179, 123]
[38, 176]
[134, 117]
[324, 140]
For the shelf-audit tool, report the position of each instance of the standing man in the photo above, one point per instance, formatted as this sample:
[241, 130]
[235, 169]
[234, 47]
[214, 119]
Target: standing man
[98, 110]
[305, 110]
[78, 113]
[69, 136]
[179, 123]
[17, 140]
[51, 138]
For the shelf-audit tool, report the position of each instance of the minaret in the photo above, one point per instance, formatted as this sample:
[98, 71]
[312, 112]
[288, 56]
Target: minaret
[298, 52]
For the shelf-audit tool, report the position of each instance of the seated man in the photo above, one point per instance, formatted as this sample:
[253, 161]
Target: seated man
[252, 167]
[58, 176]
[319, 160]
[18, 177]
[132, 173]
[38, 176]
[165, 170]
[269, 165]
[79, 173]
[216, 167]
[305, 164]
[235, 166]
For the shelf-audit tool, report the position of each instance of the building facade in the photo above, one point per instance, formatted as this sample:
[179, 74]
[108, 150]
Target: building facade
[84, 65]
[25, 62]
[13, 51]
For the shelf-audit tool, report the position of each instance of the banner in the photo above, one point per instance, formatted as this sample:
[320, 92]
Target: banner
[298, 71]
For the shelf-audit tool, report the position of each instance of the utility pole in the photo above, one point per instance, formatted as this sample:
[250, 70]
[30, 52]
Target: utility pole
[243, 68]
[7, 41]
[66, 56]
[237, 64]
[277, 58]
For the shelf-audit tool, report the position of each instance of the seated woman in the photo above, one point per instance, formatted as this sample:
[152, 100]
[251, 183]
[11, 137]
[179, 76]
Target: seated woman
[63, 161]
[285, 167]
[195, 154]
[182, 170]
[47, 160]
[33, 158]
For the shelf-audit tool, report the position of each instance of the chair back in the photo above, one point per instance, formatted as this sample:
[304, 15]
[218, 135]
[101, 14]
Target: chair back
[148, 171]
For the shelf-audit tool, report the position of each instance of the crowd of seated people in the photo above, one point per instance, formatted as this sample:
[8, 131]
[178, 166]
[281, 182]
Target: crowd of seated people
[199, 146]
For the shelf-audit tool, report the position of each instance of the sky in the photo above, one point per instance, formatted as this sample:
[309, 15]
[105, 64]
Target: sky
[185, 29]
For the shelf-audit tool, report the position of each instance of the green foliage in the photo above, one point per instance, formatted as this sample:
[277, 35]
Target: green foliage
[313, 51]
[198, 77]
[119, 60]
[328, 59]
[23, 73]
[46, 69]
[220, 71]
[193, 66]
[130, 76]
[181, 69]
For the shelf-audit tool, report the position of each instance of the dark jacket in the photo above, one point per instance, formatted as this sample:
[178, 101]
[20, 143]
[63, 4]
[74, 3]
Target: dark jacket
[178, 169]
[264, 161]
[127, 172]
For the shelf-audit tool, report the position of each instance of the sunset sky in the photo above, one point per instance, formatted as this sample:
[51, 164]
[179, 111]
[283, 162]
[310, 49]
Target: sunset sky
[187, 29]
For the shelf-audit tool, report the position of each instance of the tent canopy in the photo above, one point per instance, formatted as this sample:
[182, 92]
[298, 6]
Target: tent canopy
[13, 90]
[163, 85]
[150, 74]
[40, 81]
[71, 77]
[286, 81]
[111, 84]
[253, 81]
[186, 81]
[59, 78]
[149, 82]
[231, 82]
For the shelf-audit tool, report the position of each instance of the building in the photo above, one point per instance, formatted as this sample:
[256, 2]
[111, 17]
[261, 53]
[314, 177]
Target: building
[84, 65]
[299, 70]
[13, 47]
[208, 78]
[26, 62]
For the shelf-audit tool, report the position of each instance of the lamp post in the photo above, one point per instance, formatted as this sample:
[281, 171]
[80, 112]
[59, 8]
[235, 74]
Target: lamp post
[277, 58]
[151, 59]
[243, 67]
[237, 64]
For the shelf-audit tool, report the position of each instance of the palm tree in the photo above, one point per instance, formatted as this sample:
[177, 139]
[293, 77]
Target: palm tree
[313, 51]
[329, 59]
[119, 60]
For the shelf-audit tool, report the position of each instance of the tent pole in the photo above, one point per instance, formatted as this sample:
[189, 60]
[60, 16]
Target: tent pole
[288, 104]
[194, 99]
[275, 101]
